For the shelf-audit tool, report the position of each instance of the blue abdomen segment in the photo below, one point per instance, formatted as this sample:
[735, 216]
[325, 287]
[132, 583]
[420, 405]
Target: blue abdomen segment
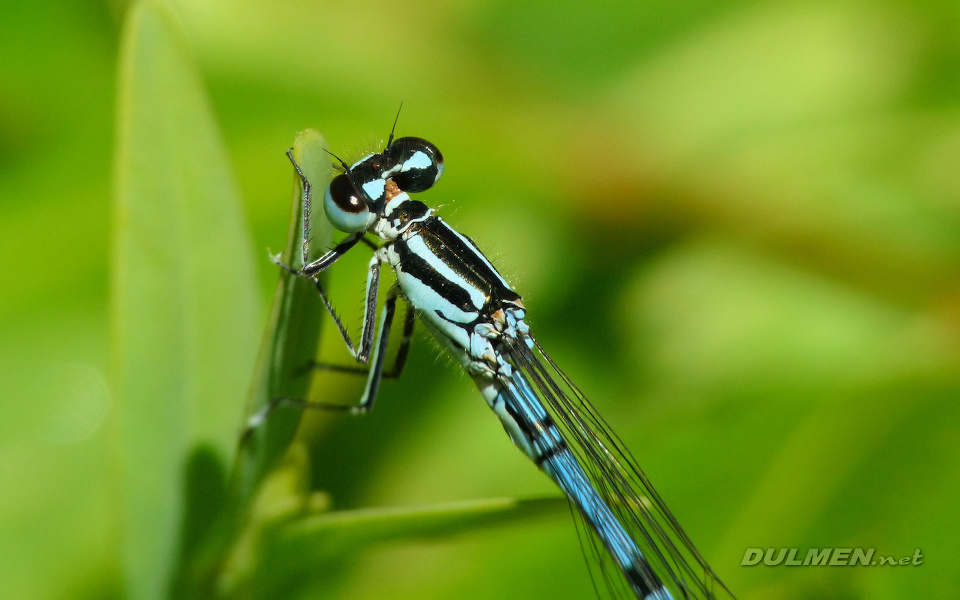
[563, 468]
[533, 431]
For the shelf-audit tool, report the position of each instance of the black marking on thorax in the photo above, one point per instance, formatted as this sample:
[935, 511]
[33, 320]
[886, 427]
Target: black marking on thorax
[407, 211]
[416, 266]
[464, 259]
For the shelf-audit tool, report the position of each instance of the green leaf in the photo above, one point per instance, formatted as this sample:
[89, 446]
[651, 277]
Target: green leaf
[185, 309]
[306, 550]
[290, 343]
[292, 335]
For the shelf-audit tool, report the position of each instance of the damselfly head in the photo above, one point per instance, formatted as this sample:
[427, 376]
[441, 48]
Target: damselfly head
[413, 163]
[355, 198]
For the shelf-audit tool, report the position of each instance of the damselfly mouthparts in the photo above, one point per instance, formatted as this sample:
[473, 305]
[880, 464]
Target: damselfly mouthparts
[475, 315]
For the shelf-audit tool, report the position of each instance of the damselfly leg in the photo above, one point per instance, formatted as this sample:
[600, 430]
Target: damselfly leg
[375, 373]
[399, 361]
[368, 338]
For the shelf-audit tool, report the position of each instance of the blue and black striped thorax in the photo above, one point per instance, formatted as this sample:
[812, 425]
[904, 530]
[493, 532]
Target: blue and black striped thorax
[429, 255]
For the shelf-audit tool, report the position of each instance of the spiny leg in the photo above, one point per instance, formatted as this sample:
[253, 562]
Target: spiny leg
[370, 307]
[305, 212]
[374, 375]
[329, 257]
[313, 268]
[399, 361]
[379, 354]
[403, 351]
[310, 271]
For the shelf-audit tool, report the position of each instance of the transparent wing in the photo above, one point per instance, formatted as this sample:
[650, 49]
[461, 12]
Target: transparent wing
[621, 482]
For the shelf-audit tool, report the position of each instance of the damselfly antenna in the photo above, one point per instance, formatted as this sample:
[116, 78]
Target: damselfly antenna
[343, 165]
[394, 128]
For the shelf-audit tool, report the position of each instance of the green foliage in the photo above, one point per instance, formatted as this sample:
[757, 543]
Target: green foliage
[184, 303]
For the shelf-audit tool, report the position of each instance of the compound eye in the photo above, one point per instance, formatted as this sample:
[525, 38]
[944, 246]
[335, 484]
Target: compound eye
[418, 164]
[345, 206]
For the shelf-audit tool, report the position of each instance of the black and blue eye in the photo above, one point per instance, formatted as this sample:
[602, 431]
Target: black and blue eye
[346, 206]
[418, 164]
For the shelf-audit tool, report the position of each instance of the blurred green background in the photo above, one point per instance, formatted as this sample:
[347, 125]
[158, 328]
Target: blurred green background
[736, 226]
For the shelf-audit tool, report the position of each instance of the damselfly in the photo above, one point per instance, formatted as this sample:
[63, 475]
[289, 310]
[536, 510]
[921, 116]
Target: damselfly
[475, 315]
